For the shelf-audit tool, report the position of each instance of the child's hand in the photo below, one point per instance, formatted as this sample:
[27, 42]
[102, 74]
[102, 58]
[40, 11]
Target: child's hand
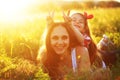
[49, 18]
[66, 17]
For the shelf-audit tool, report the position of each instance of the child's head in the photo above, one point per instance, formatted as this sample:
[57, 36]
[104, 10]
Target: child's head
[78, 20]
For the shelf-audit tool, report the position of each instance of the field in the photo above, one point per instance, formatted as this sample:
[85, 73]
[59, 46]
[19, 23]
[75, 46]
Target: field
[21, 39]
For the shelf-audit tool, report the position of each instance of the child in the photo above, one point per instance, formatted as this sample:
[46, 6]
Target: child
[79, 21]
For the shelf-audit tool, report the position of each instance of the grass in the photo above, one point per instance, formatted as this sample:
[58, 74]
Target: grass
[12, 35]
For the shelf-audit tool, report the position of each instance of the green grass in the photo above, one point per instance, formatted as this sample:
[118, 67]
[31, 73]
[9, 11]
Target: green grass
[105, 21]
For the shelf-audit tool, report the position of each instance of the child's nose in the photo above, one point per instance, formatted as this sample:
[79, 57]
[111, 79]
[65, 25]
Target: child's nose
[77, 21]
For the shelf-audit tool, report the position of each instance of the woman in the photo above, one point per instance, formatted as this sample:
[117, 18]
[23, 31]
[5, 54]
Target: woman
[59, 58]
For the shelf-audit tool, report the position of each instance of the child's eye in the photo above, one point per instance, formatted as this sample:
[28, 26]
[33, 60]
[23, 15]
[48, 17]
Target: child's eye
[55, 38]
[64, 37]
[73, 19]
[80, 21]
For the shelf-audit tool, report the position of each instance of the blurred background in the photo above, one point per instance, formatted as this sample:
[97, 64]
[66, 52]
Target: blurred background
[22, 23]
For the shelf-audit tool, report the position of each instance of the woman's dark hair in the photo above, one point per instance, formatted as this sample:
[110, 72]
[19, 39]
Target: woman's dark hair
[73, 40]
[52, 59]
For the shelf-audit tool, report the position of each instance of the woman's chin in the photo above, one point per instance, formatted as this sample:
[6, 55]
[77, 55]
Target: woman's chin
[60, 52]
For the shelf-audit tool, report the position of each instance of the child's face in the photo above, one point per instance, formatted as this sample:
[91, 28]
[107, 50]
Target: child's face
[78, 22]
[59, 40]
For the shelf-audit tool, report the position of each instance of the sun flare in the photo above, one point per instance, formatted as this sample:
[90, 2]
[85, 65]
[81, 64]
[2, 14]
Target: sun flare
[12, 10]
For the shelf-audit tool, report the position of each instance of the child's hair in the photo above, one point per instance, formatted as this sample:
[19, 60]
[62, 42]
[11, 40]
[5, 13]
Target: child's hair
[92, 46]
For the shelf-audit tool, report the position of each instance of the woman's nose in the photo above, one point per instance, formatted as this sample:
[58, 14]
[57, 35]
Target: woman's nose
[60, 41]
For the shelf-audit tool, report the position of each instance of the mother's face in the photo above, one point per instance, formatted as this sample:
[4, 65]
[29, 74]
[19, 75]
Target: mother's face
[59, 39]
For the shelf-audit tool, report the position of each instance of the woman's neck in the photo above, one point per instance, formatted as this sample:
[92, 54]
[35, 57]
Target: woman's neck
[64, 55]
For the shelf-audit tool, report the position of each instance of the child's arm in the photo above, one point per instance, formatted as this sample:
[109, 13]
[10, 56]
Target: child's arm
[77, 33]
[84, 60]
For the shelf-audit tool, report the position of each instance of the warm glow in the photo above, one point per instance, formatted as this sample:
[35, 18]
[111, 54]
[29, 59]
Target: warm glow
[12, 10]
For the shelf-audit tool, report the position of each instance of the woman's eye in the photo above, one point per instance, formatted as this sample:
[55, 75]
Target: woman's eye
[64, 37]
[55, 38]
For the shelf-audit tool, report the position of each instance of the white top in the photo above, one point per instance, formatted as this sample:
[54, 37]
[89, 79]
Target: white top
[74, 63]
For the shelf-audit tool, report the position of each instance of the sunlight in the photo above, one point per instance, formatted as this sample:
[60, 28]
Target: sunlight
[12, 10]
